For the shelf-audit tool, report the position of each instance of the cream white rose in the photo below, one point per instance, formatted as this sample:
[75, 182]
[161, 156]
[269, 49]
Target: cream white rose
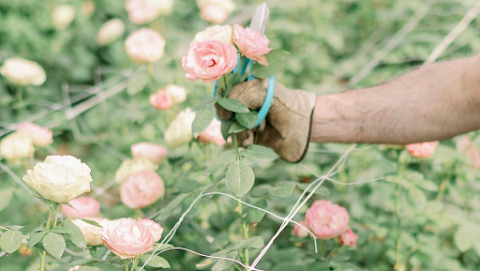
[227, 5]
[217, 32]
[129, 167]
[23, 72]
[92, 234]
[145, 46]
[164, 7]
[110, 31]
[62, 16]
[180, 130]
[59, 178]
[177, 93]
[16, 146]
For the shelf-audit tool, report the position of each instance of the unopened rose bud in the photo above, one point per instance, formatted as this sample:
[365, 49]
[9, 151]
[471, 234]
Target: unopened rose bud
[24, 251]
[422, 150]
[88, 7]
[299, 231]
[16, 147]
[23, 72]
[110, 31]
[348, 238]
[161, 100]
[62, 16]
[40, 136]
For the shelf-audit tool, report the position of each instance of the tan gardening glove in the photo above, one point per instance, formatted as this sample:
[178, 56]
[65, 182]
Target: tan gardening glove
[288, 123]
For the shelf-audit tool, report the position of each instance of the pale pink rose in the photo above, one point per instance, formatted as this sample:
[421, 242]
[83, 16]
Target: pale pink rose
[209, 60]
[91, 233]
[127, 237]
[141, 11]
[83, 207]
[213, 13]
[422, 150]
[145, 46]
[161, 100]
[39, 135]
[142, 189]
[299, 231]
[149, 151]
[155, 229]
[251, 43]
[326, 220]
[213, 134]
[348, 238]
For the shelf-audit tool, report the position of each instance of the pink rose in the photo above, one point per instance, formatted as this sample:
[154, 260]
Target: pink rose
[149, 151]
[83, 207]
[141, 11]
[348, 238]
[209, 60]
[299, 231]
[142, 189]
[213, 13]
[422, 150]
[145, 46]
[39, 135]
[155, 229]
[161, 100]
[251, 43]
[326, 220]
[213, 134]
[127, 237]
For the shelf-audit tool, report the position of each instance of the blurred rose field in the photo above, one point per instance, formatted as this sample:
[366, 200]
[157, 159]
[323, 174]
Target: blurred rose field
[110, 160]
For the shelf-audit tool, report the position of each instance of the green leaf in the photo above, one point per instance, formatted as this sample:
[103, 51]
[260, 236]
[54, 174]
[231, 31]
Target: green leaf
[61, 230]
[203, 118]
[259, 153]
[239, 178]
[219, 163]
[10, 241]
[35, 238]
[91, 222]
[254, 215]
[236, 128]
[187, 185]
[463, 237]
[171, 207]
[222, 265]
[322, 191]
[54, 244]
[233, 105]
[5, 198]
[206, 103]
[77, 236]
[277, 61]
[282, 189]
[106, 266]
[418, 199]
[137, 82]
[225, 128]
[88, 268]
[155, 261]
[248, 120]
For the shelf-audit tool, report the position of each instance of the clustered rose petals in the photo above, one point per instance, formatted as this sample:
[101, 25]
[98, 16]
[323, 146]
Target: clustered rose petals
[161, 100]
[149, 151]
[16, 147]
[59, 178]
[326, 220]
[348, 238]
[144, 11]
[129, 167]
[23, 72]
[40, 136]
[83, 207]
[251, 43]
[213, 134]
[217, 32]
[128, 238]
[91, 233]
[142, 189]
[215, 11]
[422, 150]
[209, 60]
[145, 46]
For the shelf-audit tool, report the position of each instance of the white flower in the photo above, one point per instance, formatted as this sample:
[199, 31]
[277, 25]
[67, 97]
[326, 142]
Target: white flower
[62, 16]
[23, 72]
[59, 178]
[144, 11]
[177, 93]
[145, 46]
[180, 130]
[129, 167]
[110, 31]
[227, 5]
[16, 146]
[164, 7]
[217, 32]
[91, 233]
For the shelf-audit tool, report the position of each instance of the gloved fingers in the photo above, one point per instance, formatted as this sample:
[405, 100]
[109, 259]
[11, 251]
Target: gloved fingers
[245, 138]
[251, 93]
[222, 113]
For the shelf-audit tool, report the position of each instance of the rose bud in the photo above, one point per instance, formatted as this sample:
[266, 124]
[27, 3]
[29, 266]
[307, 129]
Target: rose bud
[110, 31]
[62, 16]
[149, 151]
[422, 150]
[23, 72]
[348, 238]
[326, 220]
[16, 147]
[83, 207]
[40, 136]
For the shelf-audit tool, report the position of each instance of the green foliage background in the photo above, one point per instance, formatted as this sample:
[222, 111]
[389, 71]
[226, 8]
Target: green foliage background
[424, 215]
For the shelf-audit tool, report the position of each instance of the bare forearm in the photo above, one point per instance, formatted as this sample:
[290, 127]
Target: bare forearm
[435, 102]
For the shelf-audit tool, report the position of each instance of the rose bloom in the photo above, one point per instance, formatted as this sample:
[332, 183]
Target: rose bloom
[326, 220]
[110, 31]
[215, 11]
[213, 134]
[88, 7]
[149, 151]
[62, 16]
[91, 233]
[127, 237]
[209, 60]
[145, 46]
[422, 150]
[144, 11]
[83, 207]
[155, 229]
[299, 231]
[142, 189]
[161, 100]
[40, 136]
[23, 72]
[16, 147]
[251, 43]
[348, 238]
[59, 178]
[217, 32]
[177, 93]
[180, 130]
[129, 167]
